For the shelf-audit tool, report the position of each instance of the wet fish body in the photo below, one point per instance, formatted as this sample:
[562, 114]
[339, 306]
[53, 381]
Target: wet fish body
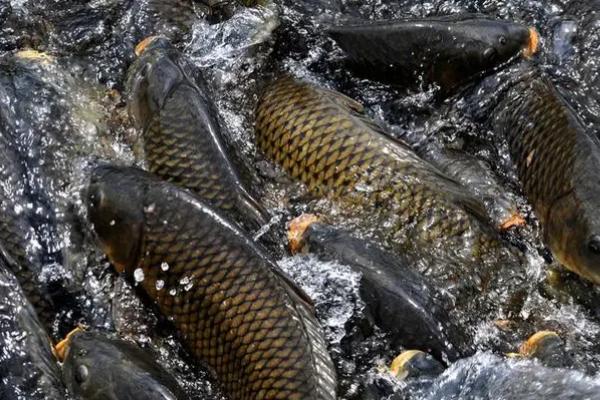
[97, 367]
[323, 139]
[231, 306]
[448, 51]
[28, 369]
[557, 162]
[31, 175]
[181, 135]
[402, 302]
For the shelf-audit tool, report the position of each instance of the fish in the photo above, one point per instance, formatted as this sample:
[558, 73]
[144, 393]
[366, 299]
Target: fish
[557, 160]
[101, 40]
[182, 139]
[234, 309]
[33, 178]
[98, 367]
[28, 368]
[447, 51]
[325, 140]
[401, 301]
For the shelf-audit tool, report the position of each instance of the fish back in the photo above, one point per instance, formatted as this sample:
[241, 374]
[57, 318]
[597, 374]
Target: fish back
[230, 306]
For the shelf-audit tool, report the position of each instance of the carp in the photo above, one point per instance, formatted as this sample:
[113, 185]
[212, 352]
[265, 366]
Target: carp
[231, 305]
[98, 367]
[448, 51]
[324, 139]
[557, 160]
[181, 135]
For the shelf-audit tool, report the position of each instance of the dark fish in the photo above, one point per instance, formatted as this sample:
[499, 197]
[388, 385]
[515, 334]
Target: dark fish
[34, 124]
[232, 307]
[97, 367]
[402, 302]
[448, 51]
[557, 162]
[324, 139]
[182, 138]
[102, 39]
[28, 370]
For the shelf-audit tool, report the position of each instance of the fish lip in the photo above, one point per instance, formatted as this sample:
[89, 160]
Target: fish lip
[532, 344]
[298, 226]
[61, 350]
[143, 45]
[532, 45]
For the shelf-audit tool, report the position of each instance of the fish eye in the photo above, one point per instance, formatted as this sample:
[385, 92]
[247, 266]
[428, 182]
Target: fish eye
[594, 244]
[502, 40]
[81, 374]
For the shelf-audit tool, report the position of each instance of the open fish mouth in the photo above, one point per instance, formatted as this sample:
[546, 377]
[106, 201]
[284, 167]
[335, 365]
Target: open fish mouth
[532, 44]
[61, 348]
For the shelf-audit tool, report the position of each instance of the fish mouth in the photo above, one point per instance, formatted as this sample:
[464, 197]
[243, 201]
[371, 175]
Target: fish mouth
[537, 342]
[62, 347]
[533, 43]
[298, 227]
[34, 55]
[143, 45]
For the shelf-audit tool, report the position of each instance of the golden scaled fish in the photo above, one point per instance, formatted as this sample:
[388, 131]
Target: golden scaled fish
[557, 161]
[181, 135]
[324, 139]
[233, 308]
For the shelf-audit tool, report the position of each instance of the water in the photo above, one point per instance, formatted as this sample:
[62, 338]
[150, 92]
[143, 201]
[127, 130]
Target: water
[85, 75]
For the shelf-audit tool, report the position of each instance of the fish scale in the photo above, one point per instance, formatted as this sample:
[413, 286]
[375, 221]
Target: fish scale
[328, 144]
[557, 162]
[542, 158]
[181, 136]
[228, 302]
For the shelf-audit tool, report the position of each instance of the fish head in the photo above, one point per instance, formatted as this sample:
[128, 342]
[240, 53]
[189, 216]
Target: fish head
[78, 364]
[573, 233]
[152, 78]
[115, 203]
[493, 43]
[96, 367]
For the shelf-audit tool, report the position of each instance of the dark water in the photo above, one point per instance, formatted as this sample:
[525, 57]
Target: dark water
[89, 46]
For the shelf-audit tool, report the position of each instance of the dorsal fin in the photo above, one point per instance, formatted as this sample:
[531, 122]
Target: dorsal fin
[293, 287]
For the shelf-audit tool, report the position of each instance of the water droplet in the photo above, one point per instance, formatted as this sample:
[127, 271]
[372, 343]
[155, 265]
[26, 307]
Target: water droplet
[164, 266]
[150, 208]
[184, 281]
[138, 275]
[173, 292]
[112, 222]
[160, 284]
